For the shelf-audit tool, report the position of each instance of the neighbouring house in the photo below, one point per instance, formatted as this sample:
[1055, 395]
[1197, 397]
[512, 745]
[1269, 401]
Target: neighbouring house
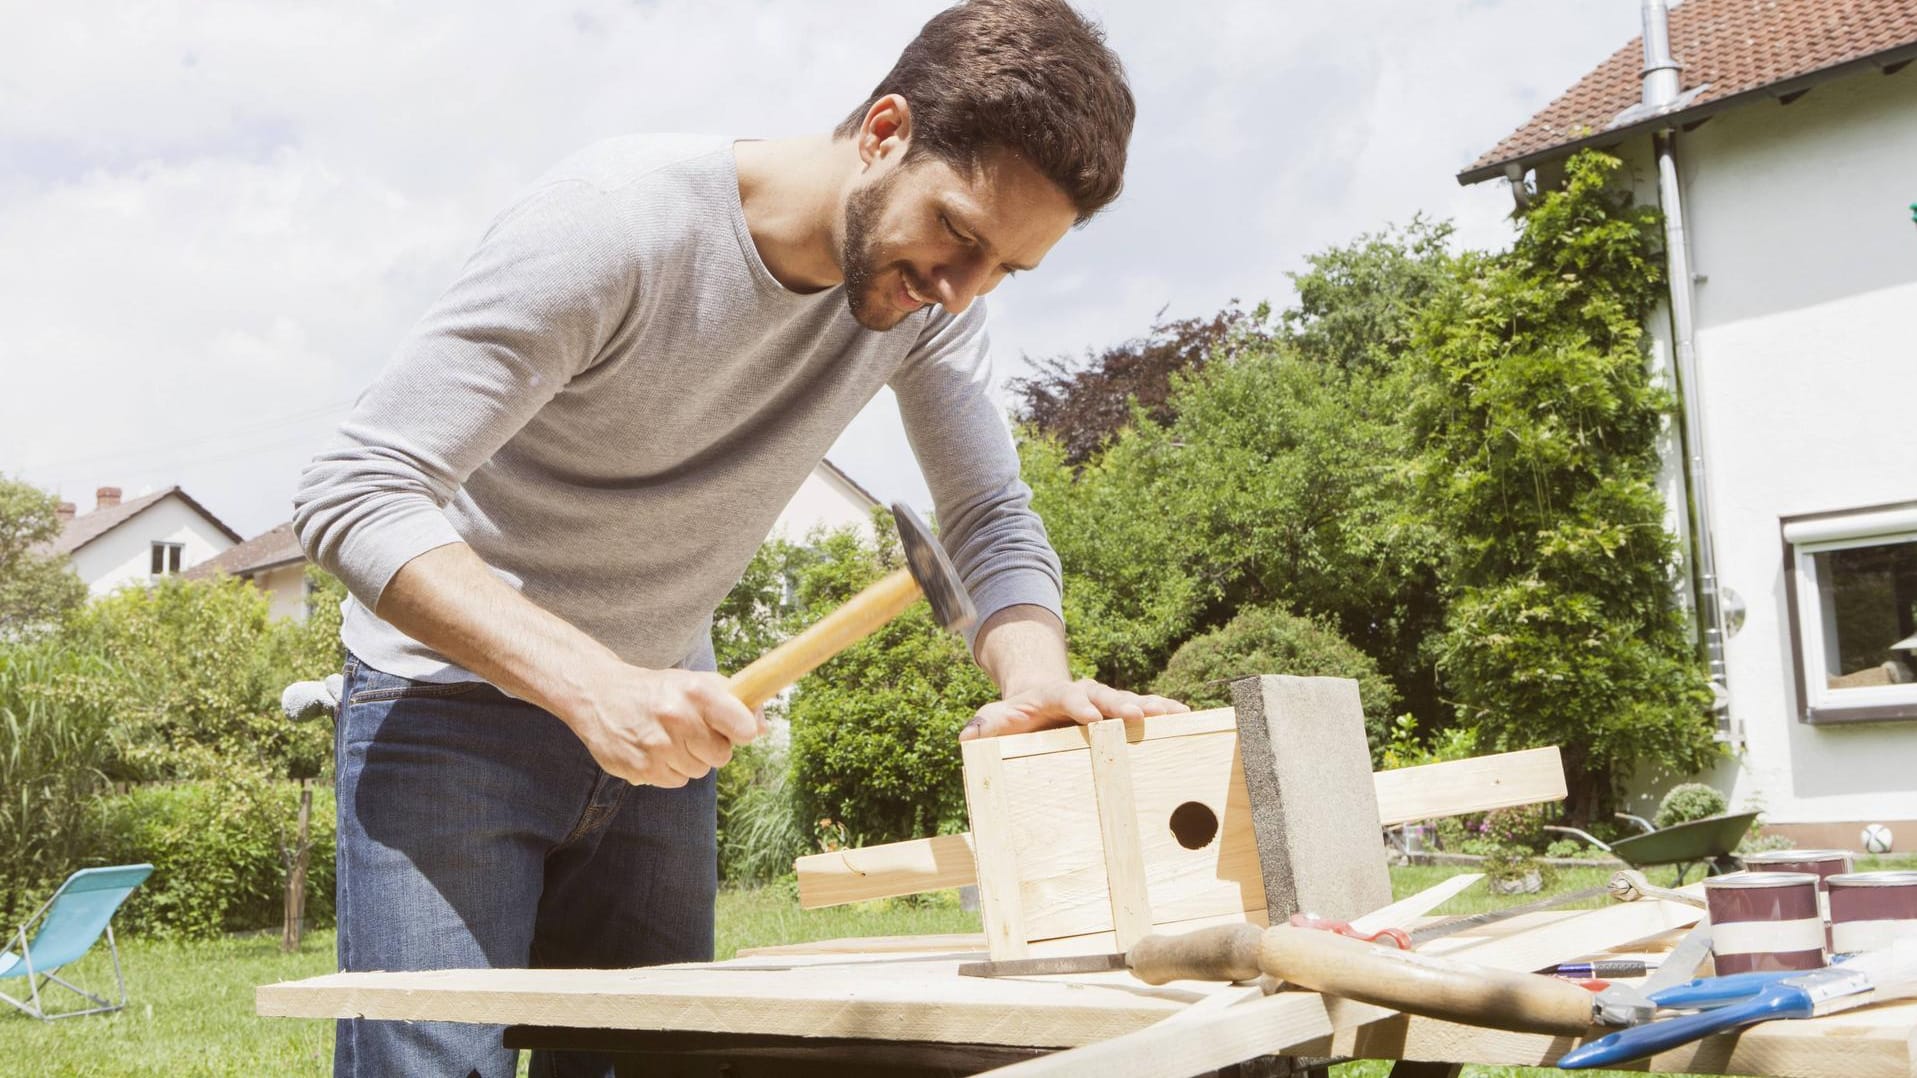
[275, 564]
[124, 542]
[1779, 138]
[827, 499]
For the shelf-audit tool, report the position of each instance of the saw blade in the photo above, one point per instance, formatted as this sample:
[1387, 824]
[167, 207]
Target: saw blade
[1441, 929]
[1042, 967]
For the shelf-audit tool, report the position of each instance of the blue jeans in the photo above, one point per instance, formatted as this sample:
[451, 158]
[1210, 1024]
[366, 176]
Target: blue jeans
[476, 831]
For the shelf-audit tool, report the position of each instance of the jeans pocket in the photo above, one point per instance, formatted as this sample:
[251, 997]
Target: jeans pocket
[410, 690]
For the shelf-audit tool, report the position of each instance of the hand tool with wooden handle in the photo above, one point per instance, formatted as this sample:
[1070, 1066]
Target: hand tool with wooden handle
[1336, 965]
[928, 571]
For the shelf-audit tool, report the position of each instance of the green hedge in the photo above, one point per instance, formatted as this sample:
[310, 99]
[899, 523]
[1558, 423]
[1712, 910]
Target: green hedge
[215, 847]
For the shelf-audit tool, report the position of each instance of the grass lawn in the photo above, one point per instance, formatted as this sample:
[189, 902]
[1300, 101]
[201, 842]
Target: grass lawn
[192, 1009]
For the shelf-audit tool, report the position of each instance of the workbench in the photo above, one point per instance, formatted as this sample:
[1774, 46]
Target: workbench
[898, 1007]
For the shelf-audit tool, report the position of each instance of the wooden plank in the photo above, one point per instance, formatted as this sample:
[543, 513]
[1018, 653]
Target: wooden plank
[1151, 728]
[972, 943]
[999, 900]
[1875, 1043]
[1533, 941]
[1402, 913]
[911, 1001]
[1130, 904]
[1413, 793]
[1479, 784]
[914, 1001]
[885, 871]
[1206, 1041]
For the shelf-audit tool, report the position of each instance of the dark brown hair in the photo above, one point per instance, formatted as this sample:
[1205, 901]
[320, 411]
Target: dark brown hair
[1030, 76]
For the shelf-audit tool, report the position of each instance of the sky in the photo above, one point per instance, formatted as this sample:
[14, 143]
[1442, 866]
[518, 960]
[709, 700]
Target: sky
[217, 219]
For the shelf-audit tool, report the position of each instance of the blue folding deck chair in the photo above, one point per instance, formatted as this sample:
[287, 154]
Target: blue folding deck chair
[71, 921]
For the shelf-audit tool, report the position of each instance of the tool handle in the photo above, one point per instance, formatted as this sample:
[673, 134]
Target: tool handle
[1779, 1001]
[1425, 984]
[1224, 953]
[1704, 992]
[853, 621]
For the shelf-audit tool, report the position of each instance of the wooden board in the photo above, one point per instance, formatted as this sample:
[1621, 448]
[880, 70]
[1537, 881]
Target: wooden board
[1413, 793]
[926, 1000]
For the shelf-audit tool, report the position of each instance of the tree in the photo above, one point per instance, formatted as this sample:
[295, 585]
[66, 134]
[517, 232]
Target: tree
[54, 748]
[1539, 426]
[1083, 407]
[198, 666]
[1270, 639]
[37, 588]
[875, 731]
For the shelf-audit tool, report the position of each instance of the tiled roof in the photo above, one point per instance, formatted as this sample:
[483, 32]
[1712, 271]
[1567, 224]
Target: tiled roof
[1735, 50]
[834, 469]
[87, 527]
[267, 550]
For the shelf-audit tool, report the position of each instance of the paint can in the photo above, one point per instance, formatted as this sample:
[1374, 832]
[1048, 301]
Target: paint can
[1764, 921]
[1821, 863]
[1870, 910]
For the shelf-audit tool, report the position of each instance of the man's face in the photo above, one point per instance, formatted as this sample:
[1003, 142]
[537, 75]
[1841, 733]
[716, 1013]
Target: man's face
[919, 231]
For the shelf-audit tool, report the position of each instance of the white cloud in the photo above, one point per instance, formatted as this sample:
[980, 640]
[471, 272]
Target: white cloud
[216, 218]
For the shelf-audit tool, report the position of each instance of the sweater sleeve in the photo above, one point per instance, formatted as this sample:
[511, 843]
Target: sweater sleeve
[964, 447]
[549, 286]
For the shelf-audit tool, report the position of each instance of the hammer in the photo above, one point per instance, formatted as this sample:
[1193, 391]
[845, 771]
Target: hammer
[928, 572]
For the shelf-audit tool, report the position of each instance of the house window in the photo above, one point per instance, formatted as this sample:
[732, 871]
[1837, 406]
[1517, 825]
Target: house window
[166, 558]
[1853, 607]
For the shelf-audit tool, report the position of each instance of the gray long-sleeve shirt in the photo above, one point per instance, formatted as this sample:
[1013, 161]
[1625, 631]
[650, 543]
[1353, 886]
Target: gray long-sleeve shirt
[616, 398]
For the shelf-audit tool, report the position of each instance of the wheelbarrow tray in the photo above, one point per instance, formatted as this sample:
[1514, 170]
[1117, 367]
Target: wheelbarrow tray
[1697, 840]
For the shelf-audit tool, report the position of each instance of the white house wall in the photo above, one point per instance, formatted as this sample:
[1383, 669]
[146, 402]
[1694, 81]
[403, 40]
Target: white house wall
[823, 501]
[1807, 349]
[285, 588]
[124, 555]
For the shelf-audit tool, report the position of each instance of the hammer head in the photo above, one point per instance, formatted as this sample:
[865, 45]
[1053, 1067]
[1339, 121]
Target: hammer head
[951, 604]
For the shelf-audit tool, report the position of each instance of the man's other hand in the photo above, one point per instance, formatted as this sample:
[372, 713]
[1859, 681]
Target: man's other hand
[1061, 703]
[662, 727]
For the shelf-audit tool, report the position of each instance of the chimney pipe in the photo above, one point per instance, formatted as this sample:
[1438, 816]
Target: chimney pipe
[64, 512]
[106, 497]
[1661, 87]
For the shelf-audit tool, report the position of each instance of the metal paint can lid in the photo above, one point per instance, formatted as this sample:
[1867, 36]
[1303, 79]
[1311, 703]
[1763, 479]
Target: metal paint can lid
[1760, 879]
[1886, 878]
[1771, 857]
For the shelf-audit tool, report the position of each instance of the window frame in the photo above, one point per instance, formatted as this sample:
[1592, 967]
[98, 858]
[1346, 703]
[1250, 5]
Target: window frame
[1805, 537]
[169, 555]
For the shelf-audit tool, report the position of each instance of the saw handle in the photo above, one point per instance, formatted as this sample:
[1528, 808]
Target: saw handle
[1224, 953]
[1424, 984]
[854, 620]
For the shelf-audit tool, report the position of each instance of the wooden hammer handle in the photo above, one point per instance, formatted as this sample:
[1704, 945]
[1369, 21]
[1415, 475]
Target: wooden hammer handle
[854, 620]
[1429, 985]
[1224, 953]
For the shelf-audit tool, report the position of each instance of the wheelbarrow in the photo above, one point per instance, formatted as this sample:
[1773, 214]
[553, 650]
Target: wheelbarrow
[1709, 842]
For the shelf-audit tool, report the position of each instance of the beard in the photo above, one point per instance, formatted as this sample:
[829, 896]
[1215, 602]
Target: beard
[859, 261]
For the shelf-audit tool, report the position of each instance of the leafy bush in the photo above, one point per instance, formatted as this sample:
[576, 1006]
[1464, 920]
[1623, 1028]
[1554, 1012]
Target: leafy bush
[1407, 749]
[1272, 640]
[759, 831]
[1689, 801]
[1539, 423]
[198, 667]
[54, 748]
[875, 731]
[215, 845]
[1520, 825]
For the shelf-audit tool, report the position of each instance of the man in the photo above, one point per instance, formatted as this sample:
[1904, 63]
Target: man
[541, 501]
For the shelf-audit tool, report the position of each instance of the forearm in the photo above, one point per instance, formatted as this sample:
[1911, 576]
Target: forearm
[450, 601]
[1022, 647]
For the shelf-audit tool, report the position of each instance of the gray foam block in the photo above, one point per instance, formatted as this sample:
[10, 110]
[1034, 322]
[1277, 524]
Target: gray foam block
[1314, 807]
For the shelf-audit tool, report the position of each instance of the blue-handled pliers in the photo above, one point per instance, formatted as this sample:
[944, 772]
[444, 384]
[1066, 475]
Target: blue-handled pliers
[1702, 993]
[1793, 995]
